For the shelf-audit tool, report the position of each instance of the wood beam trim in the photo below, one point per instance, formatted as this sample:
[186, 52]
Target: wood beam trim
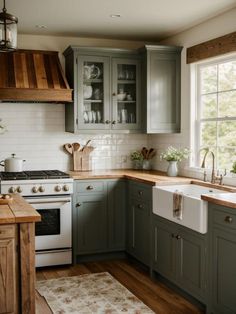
[212, 48]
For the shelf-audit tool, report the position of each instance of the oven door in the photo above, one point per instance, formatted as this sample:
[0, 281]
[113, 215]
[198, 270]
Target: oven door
[54, 230]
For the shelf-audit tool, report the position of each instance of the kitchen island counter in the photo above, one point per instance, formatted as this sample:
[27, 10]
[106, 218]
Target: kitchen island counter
[17, 251]
[18, 211]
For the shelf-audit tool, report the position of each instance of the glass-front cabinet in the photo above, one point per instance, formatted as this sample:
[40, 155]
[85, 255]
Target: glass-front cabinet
[107, 89]
[93, 92]
[125, 93]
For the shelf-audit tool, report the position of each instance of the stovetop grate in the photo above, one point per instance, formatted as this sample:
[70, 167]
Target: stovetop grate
[33, 175]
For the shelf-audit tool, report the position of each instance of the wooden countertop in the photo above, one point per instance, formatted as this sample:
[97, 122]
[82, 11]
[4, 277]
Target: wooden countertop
[224, 199]
[154, 177]
[18, 211]
[151, 177]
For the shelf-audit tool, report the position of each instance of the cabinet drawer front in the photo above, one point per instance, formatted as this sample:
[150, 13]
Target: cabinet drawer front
[7, 231]
[224, 219]
[90, 187]
[140, 191]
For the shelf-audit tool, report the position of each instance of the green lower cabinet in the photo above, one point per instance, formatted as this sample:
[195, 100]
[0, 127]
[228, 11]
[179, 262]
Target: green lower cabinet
[138, 244]
[138, 221]
[91, 233]
[116, 215]
[163, 252]
[99, 218]
[179, 254]
[222, 224]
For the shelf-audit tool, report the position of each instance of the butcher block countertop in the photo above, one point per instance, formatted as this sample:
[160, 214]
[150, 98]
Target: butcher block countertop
[151, 177]
[18, 211]
[154, 177]
[227, 199]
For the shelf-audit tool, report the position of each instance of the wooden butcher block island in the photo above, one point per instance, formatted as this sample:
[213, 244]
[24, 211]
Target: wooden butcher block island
[17, 256]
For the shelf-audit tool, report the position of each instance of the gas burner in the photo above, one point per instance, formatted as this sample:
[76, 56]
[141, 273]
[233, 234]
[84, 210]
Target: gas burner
[33, 175]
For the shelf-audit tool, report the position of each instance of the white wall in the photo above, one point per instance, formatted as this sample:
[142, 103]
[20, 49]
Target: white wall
[36, 131]
[213, 28]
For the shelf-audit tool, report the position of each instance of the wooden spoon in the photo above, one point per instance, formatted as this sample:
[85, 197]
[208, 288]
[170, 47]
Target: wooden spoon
[68, 147]
[76, 146]
[86, 145]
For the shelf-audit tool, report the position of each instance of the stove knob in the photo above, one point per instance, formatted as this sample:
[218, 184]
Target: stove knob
[66, 188]
[19, 189]
[35, 189]
[41, 189]
[12, 190]
[57, 188]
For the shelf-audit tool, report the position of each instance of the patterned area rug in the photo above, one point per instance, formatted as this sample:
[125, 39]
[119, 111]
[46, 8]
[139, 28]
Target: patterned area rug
[92, 293]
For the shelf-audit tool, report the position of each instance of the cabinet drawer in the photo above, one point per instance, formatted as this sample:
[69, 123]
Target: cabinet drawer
[224, 218]
[90, 187]
[140, 191]
[7, 231]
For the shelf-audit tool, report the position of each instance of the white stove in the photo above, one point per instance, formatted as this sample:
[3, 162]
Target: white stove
[49, 192]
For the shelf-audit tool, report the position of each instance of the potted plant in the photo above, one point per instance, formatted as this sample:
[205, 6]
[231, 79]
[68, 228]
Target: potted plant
[137, 159]
[173, 156]
[233, 170]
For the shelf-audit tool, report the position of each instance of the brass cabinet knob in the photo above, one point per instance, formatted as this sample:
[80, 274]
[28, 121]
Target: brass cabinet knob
[107, 121]
[228, 219]
[114, 122]
[78, 204]
[140, 206]
[90, 187]
[178, 237]
[140, 192]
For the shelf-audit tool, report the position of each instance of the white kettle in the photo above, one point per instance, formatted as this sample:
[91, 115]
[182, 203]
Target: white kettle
[12, 164]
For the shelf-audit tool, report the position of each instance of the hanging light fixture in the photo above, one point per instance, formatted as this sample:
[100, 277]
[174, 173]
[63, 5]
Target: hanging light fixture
[8, 30]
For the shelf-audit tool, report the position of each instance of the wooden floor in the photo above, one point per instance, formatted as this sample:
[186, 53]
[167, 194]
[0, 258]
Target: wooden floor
[156, 295]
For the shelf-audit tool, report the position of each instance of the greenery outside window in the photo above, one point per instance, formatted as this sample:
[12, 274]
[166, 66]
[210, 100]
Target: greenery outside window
[215, 127]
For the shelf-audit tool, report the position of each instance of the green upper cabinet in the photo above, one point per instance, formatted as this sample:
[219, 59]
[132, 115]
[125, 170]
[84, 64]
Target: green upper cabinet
[161, 85]
[107, 89]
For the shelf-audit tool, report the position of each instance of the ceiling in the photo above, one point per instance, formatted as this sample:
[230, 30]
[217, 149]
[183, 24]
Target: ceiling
[140, 19]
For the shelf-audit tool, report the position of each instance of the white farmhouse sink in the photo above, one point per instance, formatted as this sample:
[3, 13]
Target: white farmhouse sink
[194, 210]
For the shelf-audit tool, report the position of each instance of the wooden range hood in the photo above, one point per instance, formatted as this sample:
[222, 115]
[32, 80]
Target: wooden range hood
[33, 75]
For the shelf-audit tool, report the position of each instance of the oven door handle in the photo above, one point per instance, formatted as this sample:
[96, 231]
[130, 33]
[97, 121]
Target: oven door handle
[47, 202]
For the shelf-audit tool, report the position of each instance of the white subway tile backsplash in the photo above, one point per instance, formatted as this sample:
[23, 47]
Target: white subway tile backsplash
[36, 132]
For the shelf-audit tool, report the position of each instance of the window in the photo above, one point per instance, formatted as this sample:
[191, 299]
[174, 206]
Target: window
[215, 126]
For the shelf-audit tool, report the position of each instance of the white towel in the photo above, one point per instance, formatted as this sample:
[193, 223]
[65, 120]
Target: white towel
[178, 205]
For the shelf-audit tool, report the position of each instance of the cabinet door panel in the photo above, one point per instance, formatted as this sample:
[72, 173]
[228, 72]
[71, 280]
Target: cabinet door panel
[191, 263]
[116, 215]
[139, 230]
[93, 97]
[126, 94]
[91, 224]
[7, 276]
[163, 108]
[224, 272]
[164, 249]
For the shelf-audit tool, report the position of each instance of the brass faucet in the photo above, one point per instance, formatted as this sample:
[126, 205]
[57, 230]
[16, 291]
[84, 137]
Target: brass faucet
[214, 177]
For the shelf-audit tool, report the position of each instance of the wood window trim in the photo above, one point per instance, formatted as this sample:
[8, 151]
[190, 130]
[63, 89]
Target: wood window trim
[212, 48]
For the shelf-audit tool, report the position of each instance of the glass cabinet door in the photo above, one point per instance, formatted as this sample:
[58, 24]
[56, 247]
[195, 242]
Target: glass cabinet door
[126, 94]
[93, 92]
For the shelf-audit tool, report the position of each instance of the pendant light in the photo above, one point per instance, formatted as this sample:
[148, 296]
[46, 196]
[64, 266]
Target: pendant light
[8, 30]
